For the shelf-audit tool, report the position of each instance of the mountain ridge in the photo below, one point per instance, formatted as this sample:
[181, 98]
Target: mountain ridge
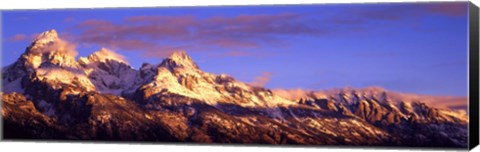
[102, 97]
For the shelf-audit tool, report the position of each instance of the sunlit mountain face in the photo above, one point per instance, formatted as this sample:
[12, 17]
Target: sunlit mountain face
[49, 93]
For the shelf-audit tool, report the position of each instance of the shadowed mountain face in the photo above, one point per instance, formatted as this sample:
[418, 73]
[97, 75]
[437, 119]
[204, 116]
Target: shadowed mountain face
[47, 94]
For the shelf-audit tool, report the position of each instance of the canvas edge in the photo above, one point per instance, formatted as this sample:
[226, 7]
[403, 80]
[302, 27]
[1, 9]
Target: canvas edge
[473, 79]
[473, 87]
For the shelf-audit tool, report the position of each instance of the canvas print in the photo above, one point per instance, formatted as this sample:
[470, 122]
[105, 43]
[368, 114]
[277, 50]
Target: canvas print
[374, 74]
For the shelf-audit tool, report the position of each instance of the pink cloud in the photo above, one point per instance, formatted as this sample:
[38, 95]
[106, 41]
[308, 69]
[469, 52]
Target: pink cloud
[261, 80]
[174, 20]
[237, 53]
[22, 37]
[150, 33]
[230, 43]
[163, 51]
[259, 26]
[19, 37]
[240, 53]
[154, 34]
[358, 16]
[94, 22]
[293, 94]
[450, 9]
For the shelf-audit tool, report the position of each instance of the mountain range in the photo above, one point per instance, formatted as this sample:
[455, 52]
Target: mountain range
[48, 94]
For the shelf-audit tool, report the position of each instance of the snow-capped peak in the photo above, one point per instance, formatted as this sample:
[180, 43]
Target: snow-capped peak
[49, 59]
[180, 55]
[179, 59]
[47, 36]
[103, 55]
[49, 48]
[108, 71]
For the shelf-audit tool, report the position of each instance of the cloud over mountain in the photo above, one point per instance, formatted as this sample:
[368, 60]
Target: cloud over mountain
[261, 80]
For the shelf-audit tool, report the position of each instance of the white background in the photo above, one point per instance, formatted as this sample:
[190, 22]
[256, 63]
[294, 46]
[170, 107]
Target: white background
[87, 147]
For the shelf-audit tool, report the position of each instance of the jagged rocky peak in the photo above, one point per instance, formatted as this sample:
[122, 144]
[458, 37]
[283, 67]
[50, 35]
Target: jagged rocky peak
[49, 48]
[371, 92]
[179, 59]
[46, 38]
[180, 56]
[224, 78]
[367, 90]
[46, 50]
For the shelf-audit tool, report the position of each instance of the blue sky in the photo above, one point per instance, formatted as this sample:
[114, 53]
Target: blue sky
[409, 47]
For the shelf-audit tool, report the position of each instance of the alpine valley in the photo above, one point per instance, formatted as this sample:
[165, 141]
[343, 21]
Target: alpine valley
[48, 94]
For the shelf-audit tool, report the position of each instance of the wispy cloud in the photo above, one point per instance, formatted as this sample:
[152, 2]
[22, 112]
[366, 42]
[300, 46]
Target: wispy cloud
[18, 37]
[22, 37]
[155, 33]
[60, 45]
[240, 53]
[236, 53]
[395, 12]
[293, 94]
[157, 36]
[450, 9]
[261, 80]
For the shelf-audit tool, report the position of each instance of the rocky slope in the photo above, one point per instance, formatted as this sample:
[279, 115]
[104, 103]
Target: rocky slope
[47, 94]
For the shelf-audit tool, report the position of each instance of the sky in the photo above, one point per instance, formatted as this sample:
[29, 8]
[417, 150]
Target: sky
[407, 47]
